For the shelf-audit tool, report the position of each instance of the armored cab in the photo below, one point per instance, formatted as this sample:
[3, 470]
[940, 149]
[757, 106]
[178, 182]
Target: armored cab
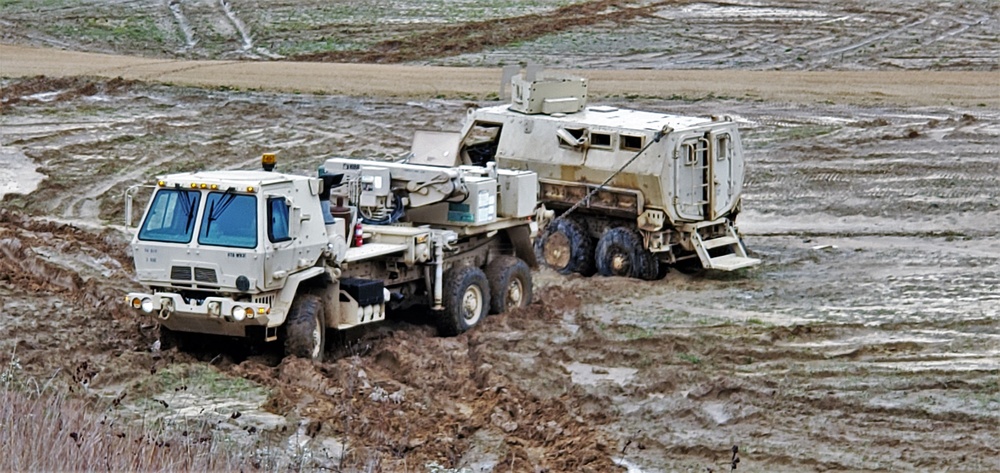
[645, 188]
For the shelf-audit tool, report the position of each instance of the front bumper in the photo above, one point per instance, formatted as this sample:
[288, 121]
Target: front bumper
[212, 315]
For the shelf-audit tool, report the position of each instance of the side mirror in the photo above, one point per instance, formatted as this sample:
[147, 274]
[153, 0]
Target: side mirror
[136, 202]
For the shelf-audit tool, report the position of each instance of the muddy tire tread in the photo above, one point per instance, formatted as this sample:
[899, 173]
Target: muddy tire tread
[499, 273]
[298, 328]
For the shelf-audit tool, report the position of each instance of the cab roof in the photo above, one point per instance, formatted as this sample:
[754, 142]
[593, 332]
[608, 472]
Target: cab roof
[604, 116]
[224, 178]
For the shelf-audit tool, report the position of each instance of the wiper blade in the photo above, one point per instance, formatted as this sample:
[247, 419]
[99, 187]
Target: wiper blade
[187, 205]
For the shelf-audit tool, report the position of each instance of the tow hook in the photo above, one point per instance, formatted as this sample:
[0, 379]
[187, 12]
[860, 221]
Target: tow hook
[166, 308]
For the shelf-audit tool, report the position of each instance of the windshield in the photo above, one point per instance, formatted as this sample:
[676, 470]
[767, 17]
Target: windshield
[229, 220]
[171, 216]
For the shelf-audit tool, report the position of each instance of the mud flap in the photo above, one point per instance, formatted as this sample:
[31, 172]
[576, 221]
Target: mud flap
[520, 239]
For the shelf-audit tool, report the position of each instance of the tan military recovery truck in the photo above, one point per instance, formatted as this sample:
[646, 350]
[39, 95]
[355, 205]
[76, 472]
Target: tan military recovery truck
[629, 189]
[280, 257]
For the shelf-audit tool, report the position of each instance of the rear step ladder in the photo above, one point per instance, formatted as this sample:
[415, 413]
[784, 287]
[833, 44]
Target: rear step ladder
[735, 258]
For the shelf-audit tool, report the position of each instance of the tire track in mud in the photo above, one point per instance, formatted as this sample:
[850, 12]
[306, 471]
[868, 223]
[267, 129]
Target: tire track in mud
[205, 15]
[178, 13]
[854, 46]
[241, 28]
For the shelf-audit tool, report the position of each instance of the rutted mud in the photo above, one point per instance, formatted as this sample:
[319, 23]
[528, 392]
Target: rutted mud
[867, 340]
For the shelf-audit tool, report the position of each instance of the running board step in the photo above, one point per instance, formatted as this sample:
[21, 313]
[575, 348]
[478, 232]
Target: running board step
[732, 262]
[735, 258]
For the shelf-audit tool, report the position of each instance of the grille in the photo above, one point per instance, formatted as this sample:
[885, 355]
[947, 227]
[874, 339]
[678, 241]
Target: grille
[180, 273]
[205, 275]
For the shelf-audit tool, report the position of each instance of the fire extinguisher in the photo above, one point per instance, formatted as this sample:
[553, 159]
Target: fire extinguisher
[359, 237]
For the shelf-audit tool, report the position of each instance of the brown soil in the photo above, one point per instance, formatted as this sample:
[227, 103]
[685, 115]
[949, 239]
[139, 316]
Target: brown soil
[969, 88]
[452, 40]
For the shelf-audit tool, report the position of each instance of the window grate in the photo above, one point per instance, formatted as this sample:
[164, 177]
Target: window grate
[180, 273]
[205, 275]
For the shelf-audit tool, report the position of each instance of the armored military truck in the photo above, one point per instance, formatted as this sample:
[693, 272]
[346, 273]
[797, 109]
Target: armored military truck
[630, 190]
[270, 257]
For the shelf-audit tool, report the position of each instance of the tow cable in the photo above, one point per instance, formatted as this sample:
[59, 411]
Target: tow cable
[656, 139]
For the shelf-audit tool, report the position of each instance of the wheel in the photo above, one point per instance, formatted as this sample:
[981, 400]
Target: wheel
[565, 246]
[304, 331]
[510, 284]
[466, 299]
[620, 252]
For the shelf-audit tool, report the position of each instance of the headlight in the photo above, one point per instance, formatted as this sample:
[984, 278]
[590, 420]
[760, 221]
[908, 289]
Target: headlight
[147, 305]
[239, 313]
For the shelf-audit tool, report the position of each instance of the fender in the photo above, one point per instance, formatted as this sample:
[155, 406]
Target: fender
[283, 301]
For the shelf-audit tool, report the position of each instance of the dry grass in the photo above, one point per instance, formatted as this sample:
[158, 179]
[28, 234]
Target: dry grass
[43, 429]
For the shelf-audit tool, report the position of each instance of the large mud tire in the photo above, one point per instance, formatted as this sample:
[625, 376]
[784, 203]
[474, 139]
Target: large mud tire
[466, 300]
[566, 247]
[510, 284]
[304, 332]
[620, 252]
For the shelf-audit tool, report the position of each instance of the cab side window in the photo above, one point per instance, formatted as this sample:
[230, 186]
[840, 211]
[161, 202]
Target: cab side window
[277, 219]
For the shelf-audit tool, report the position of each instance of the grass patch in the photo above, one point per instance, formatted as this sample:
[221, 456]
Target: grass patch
[129, 29]
[690, 358]
[199, 378]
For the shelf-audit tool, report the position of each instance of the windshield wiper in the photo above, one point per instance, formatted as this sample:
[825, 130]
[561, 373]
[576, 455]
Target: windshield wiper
[188, 207]
[212, 215]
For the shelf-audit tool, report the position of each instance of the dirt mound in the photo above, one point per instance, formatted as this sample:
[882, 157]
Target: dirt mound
[417, 399]
[59, 88]
[452, 40]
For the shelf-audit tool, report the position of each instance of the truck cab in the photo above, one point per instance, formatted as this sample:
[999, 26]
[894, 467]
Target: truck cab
[223, 243]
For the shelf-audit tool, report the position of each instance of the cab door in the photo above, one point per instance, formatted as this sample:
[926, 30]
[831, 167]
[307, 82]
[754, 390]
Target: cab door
[279, 244]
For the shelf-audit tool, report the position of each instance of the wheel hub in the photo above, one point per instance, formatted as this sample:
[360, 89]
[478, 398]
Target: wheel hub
[557, 250]
[317, 339]
[515, 293]
[620, 264]
[472, 304]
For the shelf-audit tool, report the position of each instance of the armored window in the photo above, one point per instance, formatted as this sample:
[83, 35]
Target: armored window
[631, 142]
[600, 140]
[694, 152]
[570, 137]
[723, 147]
[229, 219]
[277, 219]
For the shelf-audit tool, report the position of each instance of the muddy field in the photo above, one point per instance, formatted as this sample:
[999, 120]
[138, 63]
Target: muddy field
[640, 34]
[868, 339]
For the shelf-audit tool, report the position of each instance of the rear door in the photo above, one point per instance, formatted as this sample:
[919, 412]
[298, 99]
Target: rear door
[723, 188]
[692, 176]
